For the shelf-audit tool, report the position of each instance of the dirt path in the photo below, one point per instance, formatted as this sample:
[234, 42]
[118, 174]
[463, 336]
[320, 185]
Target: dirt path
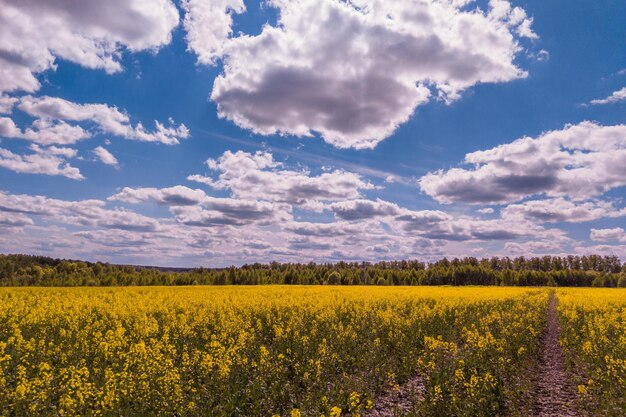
[554, 393]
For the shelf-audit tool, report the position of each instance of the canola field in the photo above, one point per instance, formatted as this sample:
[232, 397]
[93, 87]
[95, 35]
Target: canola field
[594, 337]
[296, 351]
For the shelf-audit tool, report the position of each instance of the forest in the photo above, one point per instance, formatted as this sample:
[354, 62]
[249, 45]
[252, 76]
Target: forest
[566, 271]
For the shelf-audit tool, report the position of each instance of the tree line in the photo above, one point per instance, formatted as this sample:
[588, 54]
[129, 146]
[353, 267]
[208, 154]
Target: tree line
[566, 271]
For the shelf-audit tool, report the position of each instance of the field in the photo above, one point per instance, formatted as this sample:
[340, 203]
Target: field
[310, 351]
[594, 337]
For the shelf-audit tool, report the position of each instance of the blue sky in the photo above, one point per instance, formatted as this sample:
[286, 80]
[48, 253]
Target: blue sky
[302, 130]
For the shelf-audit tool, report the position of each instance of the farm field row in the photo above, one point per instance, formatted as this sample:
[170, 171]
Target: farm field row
[294, 351]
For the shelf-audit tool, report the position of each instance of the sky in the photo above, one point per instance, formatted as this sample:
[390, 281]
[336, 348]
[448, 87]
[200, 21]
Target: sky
[224, 132]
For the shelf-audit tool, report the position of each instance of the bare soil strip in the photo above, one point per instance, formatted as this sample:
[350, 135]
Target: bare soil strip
[399, 401]
[555, 395]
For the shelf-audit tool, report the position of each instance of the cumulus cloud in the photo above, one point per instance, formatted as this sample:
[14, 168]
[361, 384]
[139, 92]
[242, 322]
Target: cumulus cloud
[6, 104]
[55, 150]
[172, 196]
[115, 238]
[306, 244]
[105, 156]
[579, 162]
[431, 224]
[78, 213]
[562, 210]
[44, 132]
[607, 250]
[208, 25]
[525, 248]
[616, 234]
[262, 219]
[258, 176]
[363, 209]
[322, 229]
[442, 226]
[54, 111]
[33, 34]
[353, 71]
[14, 220]
[256, 244]
[227, 211]
[423, 219]
[437, 225]
[616, 97]
[237, 230]
[195, 208]
[46, 161]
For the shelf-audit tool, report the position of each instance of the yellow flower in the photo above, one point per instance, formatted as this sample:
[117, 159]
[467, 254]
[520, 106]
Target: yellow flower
[355, 399]
[335, 412]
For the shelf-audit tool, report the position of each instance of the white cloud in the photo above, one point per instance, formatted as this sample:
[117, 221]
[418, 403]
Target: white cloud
[8, 129]
[432, 224]
[526, 248]
[6, 104]
[540, 56]
[617, 96]
[579, 162]
[79, 213]
[443, 226]
[195, 208]
[607, 235]
[363, 209]
[330, 230]
[44, 132]
[258, 176]
[307, 244]
[562, 210]
[54, 150]
[228, 211]
[105, 156]
[14, 220]
[33, 34]
[115, 238]
[353, 71]
[607, 250]
[229, 230]
[172, 196]
[47, 161]
[209, 25]
[107, 119]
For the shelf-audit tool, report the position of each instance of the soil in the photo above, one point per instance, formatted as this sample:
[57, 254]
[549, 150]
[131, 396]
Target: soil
[555, 395]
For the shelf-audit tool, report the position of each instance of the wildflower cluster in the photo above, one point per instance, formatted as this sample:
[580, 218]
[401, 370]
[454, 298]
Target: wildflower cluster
[594, 339]
[476, 366]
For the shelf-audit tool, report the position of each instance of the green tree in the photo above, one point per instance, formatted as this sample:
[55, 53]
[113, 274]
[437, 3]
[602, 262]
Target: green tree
[334, 278]
[599, 281]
